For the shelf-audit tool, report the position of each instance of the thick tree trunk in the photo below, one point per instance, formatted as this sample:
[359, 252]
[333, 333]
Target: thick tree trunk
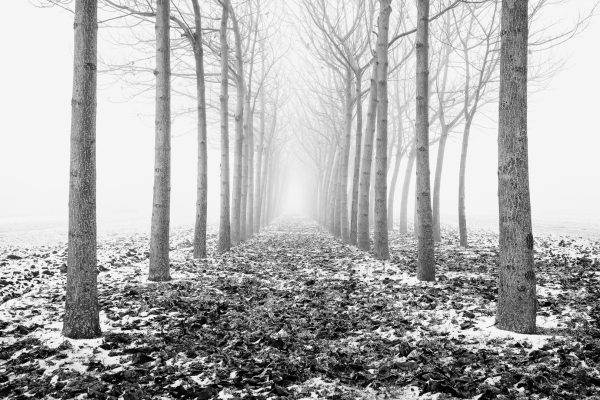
[437, 181]
[224, 225]
[394, 181]
[364, 208]
[426, 263]
[462, 214]
[345, 227]
[81, 319]
[405, 188]
[236, 209]
[357, 156]
[381, 248]
[202, 185]
[159, 233]
[516, 283]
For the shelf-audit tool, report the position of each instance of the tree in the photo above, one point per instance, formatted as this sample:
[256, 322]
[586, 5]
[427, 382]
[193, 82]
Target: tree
[426, 262]
[202, 187]
[364, 242]
[236, 209]
[224, 224]
[159, 233]
[516, 283]
[82, 320]
[259, 153]
[381, 249]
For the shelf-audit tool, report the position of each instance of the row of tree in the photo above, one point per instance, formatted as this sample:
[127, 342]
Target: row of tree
[199, 50]
[437, 73]
[259, 164]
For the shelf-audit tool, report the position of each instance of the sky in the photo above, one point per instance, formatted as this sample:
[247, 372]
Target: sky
[36, 83]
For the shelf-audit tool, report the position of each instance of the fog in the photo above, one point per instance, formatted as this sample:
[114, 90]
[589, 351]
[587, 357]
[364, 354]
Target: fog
[36, 82]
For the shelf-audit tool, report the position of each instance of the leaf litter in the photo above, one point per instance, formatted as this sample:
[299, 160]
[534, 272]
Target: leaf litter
[295, 313]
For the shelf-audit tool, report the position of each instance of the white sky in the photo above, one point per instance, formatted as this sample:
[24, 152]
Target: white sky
[36, 83]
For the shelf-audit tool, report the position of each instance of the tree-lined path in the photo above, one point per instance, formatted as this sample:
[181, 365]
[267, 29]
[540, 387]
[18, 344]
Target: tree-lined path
[295, 312]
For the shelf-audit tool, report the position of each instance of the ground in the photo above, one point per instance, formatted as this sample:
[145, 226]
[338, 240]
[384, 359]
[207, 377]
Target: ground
[295, 313]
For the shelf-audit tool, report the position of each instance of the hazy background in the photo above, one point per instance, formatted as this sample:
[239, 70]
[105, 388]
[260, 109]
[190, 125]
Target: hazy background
[36, 83]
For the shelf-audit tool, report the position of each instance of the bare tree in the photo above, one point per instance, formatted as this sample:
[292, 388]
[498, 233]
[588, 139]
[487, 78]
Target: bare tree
[81, 319]
[516, 283]
[224, 226]
[380, 235]
[159, 234]
[426, 262]
[236, 208]
[202, 186]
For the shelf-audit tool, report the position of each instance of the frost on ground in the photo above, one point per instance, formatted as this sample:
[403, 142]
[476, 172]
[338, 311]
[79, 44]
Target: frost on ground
[294, 313]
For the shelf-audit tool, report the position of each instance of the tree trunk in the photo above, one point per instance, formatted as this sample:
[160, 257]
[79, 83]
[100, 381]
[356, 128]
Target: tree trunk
[345, 228]
[202, 187]
[381, 249]
[372, 188]
[462, 215]
[236, 209]
[250, 206]
[516, 283]
[244, 197]
[416, 215]
[224, 225]
[331, 194]
[405, 188]
[426, 264]
[81, 319]
[394, 181]
[337, 223]
[263, 190]
[259, 156]
[159, 233]
[364, 209]
[324, 209]
[437, 181]
[357, 155]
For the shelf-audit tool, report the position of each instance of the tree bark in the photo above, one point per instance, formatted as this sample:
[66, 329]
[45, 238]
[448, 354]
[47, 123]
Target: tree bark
[236, 209]
[372, 187]
[344, 223]
[159, 233]
[81, 318]
[394, 181]
[250, 205]
[357, 156]
[224, 225]
[202, 186]
[405, 189]
[244, 193]
[331, 194]
[337, 223]
[259, 156]
[426, 262]
[263, 190]
[462, 214]
[437, 182]
[516, 283]
[381, 249]
[364, 241]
